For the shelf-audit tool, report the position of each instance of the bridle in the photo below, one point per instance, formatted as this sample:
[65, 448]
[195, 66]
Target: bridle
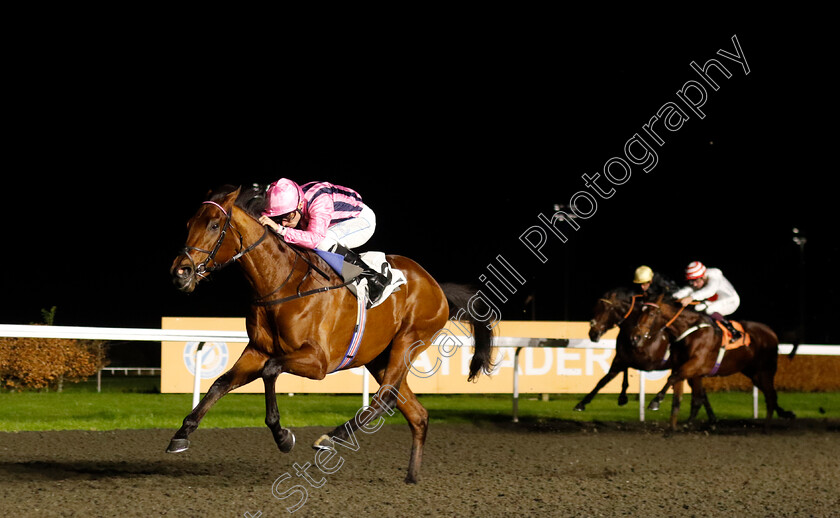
[614, 307]
[201, 269]
[646, 328]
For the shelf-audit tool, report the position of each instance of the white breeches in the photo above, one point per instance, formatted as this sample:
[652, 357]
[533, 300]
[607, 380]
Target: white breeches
[351, 233]
[723, 306]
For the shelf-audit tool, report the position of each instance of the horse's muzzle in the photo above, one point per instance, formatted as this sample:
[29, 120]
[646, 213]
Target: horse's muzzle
[638, 340]
[183, 274]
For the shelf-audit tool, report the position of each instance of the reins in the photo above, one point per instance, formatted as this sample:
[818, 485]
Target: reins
[300, 295]
[674, 318]
[632, 304]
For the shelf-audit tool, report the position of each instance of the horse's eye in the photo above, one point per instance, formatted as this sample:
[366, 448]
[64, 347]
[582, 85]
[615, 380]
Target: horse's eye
[214, 226]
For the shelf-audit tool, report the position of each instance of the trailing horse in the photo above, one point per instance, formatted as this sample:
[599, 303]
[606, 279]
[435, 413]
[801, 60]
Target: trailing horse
[303, 318]
[621, 307]
[700, 345]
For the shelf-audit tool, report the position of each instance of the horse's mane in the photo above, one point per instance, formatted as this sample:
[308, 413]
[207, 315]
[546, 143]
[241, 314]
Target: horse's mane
[622, 293]
[251, 199]
[661, 284]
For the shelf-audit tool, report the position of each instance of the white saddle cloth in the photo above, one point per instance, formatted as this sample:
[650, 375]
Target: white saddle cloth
[377, 261]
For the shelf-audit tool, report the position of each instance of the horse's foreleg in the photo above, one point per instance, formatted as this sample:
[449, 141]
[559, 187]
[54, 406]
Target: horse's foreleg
[284, 437]
[712, 418]
[657, 399]
[625, 384]
[612, 373]
[245, 370]
[696, 400]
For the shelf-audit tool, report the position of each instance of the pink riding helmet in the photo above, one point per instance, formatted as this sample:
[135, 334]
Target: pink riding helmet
[283, 197]
[695, 270]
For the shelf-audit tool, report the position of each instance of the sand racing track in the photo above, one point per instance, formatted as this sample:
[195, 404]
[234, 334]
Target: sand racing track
[488, 469]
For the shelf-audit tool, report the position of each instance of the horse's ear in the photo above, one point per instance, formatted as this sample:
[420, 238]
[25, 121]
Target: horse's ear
[659, 300]
[231, 197]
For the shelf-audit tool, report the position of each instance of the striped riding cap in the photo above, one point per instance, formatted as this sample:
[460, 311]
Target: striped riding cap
[695, 270]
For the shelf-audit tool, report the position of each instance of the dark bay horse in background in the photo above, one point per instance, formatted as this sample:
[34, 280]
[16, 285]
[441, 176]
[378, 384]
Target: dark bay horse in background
[699, 341]
[302, 321]
[621, 307]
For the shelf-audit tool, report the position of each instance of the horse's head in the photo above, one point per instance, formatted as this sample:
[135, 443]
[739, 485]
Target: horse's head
[609, 312]
[206, 248]
[648, 325]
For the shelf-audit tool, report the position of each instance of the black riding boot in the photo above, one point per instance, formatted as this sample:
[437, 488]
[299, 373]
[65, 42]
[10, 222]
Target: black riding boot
[376, 281]
[736, 335]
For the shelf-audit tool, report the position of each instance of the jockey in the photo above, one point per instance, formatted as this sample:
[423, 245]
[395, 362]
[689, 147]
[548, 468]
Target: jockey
[652, 283]
[324, 216]
[714, 290]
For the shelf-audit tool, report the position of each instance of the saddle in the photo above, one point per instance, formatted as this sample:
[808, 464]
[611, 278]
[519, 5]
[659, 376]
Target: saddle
[726, 342]
[351, 272]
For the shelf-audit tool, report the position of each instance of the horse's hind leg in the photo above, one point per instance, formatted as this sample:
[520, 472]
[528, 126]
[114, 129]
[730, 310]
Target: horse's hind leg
[699, 398]
[245, 370]
[764, 381]
[418, 420]
[675, 405]
[390, 370]
[284, 437]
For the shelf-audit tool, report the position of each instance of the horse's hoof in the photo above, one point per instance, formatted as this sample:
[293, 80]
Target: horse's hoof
[654, 405]
[287, 442]
[622, 400]
[580, 407]
[178, 445]
[324, 443]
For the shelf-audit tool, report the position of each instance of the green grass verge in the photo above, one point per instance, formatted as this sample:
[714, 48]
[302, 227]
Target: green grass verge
[131, 407]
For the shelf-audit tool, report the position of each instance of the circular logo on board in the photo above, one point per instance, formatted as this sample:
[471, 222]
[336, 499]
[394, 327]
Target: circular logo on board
[213, 358]
[655, 375]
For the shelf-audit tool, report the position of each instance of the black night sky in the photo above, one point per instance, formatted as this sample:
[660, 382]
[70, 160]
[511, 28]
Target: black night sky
[458, 139]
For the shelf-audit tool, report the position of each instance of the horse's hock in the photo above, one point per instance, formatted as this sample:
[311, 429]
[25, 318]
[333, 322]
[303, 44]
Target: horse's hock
[801, 374]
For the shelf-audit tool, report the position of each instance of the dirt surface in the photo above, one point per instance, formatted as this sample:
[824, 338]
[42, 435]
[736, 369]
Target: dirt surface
[488, 469]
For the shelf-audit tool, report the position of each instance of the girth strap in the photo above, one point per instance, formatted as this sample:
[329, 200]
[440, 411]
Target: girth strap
[358, 332]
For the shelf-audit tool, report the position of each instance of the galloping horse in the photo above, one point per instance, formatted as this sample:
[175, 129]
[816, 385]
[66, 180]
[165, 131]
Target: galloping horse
[621, 307]
[303, 318]
[701, 339]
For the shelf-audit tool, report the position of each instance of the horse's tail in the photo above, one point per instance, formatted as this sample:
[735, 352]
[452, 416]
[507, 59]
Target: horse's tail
[792, 352]
[458, 296]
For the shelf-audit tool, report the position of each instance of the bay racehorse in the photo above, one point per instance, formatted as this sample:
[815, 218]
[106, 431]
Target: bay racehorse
[302, 320]
[699, 340]
[621, 307]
